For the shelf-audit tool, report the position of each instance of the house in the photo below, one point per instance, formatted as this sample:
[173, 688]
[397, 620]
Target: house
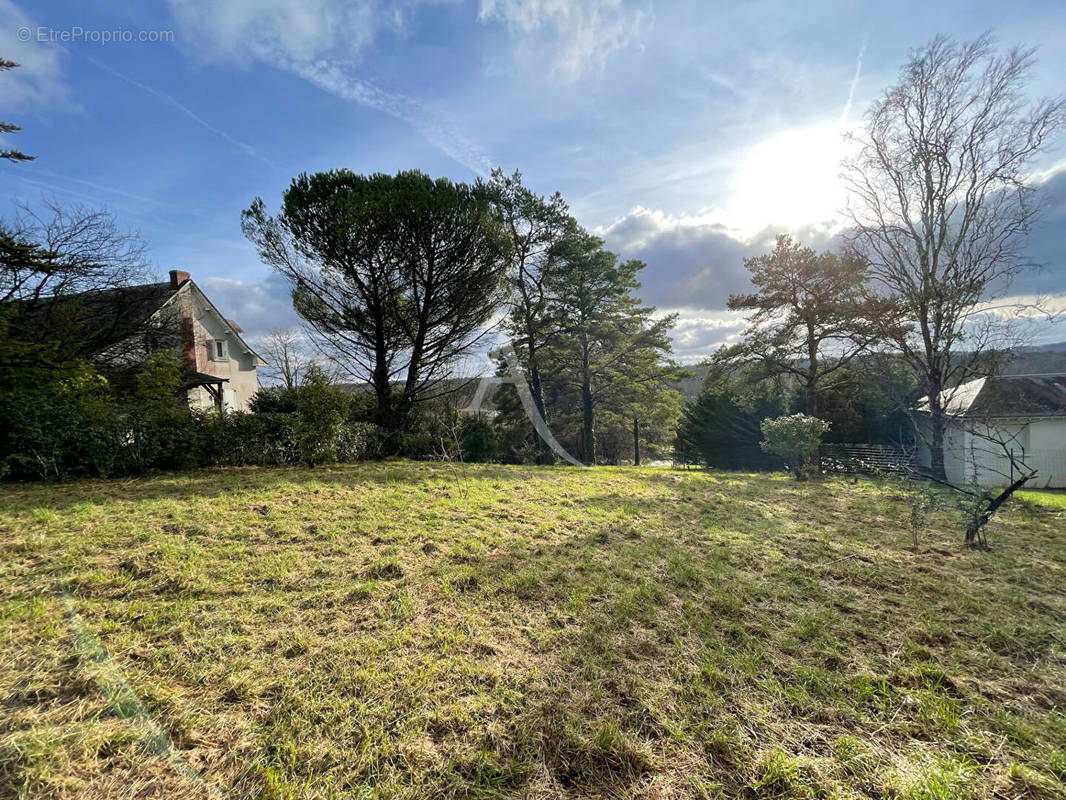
[992, 419]
[121, 326]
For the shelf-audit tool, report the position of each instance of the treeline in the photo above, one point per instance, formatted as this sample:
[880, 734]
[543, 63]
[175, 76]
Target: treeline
[399, 277]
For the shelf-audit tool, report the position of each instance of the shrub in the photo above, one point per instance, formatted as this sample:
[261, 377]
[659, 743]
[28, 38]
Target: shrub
[70, 425]
[478, 440]
[321, 408]
[64, 427]
[160, 430]
[274, 400]
[796, 439]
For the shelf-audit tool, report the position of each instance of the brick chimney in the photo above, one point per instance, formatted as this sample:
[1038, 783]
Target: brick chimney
[177, 278]
[188, 343]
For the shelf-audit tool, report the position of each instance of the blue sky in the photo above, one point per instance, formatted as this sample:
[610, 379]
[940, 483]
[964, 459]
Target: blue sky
[686, 134]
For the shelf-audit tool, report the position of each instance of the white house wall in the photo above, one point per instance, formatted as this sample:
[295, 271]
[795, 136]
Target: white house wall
[239, 367]
[988, 452]
[972, 454]
[1046, 452]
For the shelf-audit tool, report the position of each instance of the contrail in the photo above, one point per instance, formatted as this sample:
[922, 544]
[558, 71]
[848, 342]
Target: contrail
[101, 187]
[432, 124]
[854, 80]
[166, 98]
[94, 199]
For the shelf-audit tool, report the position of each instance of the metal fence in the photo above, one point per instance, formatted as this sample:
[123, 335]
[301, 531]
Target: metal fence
[867, 458]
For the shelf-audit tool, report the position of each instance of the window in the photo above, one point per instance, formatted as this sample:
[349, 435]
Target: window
[218, 350]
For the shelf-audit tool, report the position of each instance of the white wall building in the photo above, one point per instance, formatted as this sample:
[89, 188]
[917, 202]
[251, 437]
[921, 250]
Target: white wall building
[219, 366]
[992, 419]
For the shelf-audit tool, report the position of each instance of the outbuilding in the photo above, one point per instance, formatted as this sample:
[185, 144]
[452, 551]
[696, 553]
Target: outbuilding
[998, 425]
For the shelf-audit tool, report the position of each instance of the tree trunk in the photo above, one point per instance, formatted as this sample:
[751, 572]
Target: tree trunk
[588, 426]
[938, 425]
[974, 536]
[811, 400]
[636, 442]
[537, 390]
[383, 391]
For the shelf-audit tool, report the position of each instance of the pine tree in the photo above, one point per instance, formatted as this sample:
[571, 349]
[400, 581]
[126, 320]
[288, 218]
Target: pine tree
[610, 352]
[808, 317]
[537, 227]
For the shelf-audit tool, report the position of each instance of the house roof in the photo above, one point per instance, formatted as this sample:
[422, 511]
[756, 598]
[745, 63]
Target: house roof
[203, 379]
[96, 320]
[229, 323]
[1006, 396]
[107, 317]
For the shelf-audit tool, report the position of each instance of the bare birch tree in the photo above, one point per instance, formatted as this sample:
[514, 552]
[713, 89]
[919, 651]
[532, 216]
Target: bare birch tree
[941, 206]
[284, 348]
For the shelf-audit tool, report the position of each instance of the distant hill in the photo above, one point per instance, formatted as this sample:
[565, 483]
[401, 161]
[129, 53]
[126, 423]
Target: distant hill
[1038, 360]
[1030, 360]
[1054, 347]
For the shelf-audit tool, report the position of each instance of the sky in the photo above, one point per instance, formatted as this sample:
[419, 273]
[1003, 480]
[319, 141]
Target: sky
[686, 134]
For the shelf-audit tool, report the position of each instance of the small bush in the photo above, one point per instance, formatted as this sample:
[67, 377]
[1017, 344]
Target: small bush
[321, 408]
[796, 439]
[478, 440]
[160, 431]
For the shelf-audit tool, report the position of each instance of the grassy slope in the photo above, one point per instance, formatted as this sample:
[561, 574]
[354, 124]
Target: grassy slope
[393, 630]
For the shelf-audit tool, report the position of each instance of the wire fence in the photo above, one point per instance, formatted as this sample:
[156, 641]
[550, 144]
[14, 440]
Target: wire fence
[867, 459]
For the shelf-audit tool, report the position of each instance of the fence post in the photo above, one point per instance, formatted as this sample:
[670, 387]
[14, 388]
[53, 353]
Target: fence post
[1012, 465]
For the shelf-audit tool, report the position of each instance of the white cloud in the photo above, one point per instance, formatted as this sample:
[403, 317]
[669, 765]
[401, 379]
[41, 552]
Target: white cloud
[698, 334]
[576, 36]
[39, 80]
[253, 30]
[434, 126]
[257, 306]
[693, 264]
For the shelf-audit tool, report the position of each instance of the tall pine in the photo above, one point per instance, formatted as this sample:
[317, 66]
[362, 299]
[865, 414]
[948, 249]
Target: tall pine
[610, 351]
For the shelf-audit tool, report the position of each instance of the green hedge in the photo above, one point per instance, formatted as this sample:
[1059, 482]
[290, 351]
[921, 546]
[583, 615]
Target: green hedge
[71, 424]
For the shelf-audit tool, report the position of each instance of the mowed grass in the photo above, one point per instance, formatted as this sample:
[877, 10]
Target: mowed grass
[1055, 498]
[430, 631]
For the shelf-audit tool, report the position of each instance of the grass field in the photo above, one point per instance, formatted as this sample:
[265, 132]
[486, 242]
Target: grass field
[423, 631]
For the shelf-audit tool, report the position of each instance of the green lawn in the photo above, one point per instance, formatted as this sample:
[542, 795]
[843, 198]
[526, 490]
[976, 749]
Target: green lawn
[1055, 498]
[421, 631]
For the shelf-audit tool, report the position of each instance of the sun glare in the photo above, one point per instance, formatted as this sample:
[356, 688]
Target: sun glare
[790, 179]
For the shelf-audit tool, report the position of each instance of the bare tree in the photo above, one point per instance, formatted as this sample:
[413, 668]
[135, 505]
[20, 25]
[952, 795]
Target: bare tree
[78, 249]
[994, 468]
[66, 279]
[284, 348]
[941, 207]
[984, 502]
